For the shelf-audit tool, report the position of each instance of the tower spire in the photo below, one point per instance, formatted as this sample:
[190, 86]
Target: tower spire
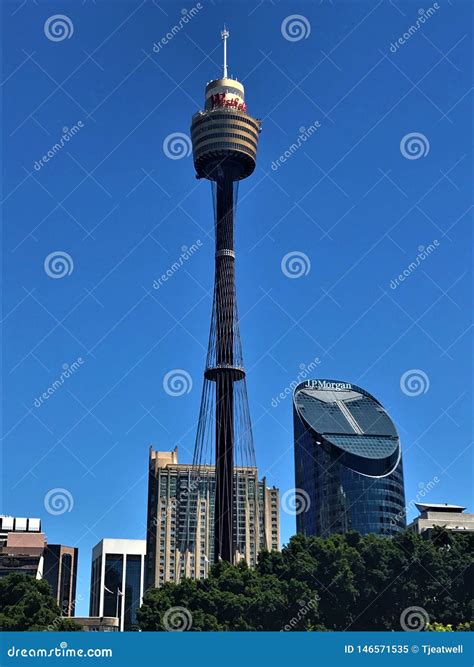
[225, 35]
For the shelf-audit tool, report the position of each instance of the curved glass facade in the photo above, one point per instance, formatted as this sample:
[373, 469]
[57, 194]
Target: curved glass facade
[347, 460]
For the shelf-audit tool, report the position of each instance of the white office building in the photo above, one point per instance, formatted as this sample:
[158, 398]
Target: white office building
[117, 580]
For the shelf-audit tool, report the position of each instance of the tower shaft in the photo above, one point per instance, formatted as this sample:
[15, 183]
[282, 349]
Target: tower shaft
[225, 313]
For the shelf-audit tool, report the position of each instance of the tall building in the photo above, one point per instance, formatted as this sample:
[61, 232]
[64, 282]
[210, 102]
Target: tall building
[224, 138]
[442, 515]
[117, 580]
[60, 570]
[24, 549]
[170, 555]
[348, 462]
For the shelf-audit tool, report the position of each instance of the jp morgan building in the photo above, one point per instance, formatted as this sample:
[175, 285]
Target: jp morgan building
[348, 461]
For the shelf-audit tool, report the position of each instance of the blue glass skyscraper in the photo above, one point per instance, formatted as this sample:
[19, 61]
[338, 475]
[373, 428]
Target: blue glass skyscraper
[348, 463]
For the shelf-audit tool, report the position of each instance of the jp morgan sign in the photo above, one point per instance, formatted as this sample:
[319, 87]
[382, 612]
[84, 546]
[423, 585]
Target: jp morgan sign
[326, 384]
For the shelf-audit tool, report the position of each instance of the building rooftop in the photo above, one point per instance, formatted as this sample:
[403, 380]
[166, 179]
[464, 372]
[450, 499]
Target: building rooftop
[19, 524]
[438, 507]
[348, 417]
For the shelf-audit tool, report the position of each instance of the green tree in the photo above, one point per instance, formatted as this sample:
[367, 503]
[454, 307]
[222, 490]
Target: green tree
[344, 582]
[27, 603]
[439, 627]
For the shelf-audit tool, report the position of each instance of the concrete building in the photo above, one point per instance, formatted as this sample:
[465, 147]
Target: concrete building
[24, 549]
[60, 570]
[22, 546]
[180, 526]
[451, 517]
[10, 524]
[117, 580]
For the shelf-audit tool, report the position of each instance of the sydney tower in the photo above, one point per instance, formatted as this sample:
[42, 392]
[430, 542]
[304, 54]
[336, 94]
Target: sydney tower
[225, 139]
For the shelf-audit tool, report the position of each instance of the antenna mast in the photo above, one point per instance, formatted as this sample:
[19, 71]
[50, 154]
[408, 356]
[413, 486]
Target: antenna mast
[225, 35]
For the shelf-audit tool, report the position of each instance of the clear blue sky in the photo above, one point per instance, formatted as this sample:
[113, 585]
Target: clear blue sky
[122, 210]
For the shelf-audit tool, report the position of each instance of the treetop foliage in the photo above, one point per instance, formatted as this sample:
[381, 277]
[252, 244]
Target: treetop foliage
[27, 603]
[344, 582]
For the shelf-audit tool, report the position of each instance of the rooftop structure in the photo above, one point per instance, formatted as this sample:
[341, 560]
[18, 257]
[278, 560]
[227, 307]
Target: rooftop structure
[442, 515]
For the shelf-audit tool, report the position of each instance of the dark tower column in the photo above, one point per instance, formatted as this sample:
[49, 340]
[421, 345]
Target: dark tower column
[225, 309]
[225, 141]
